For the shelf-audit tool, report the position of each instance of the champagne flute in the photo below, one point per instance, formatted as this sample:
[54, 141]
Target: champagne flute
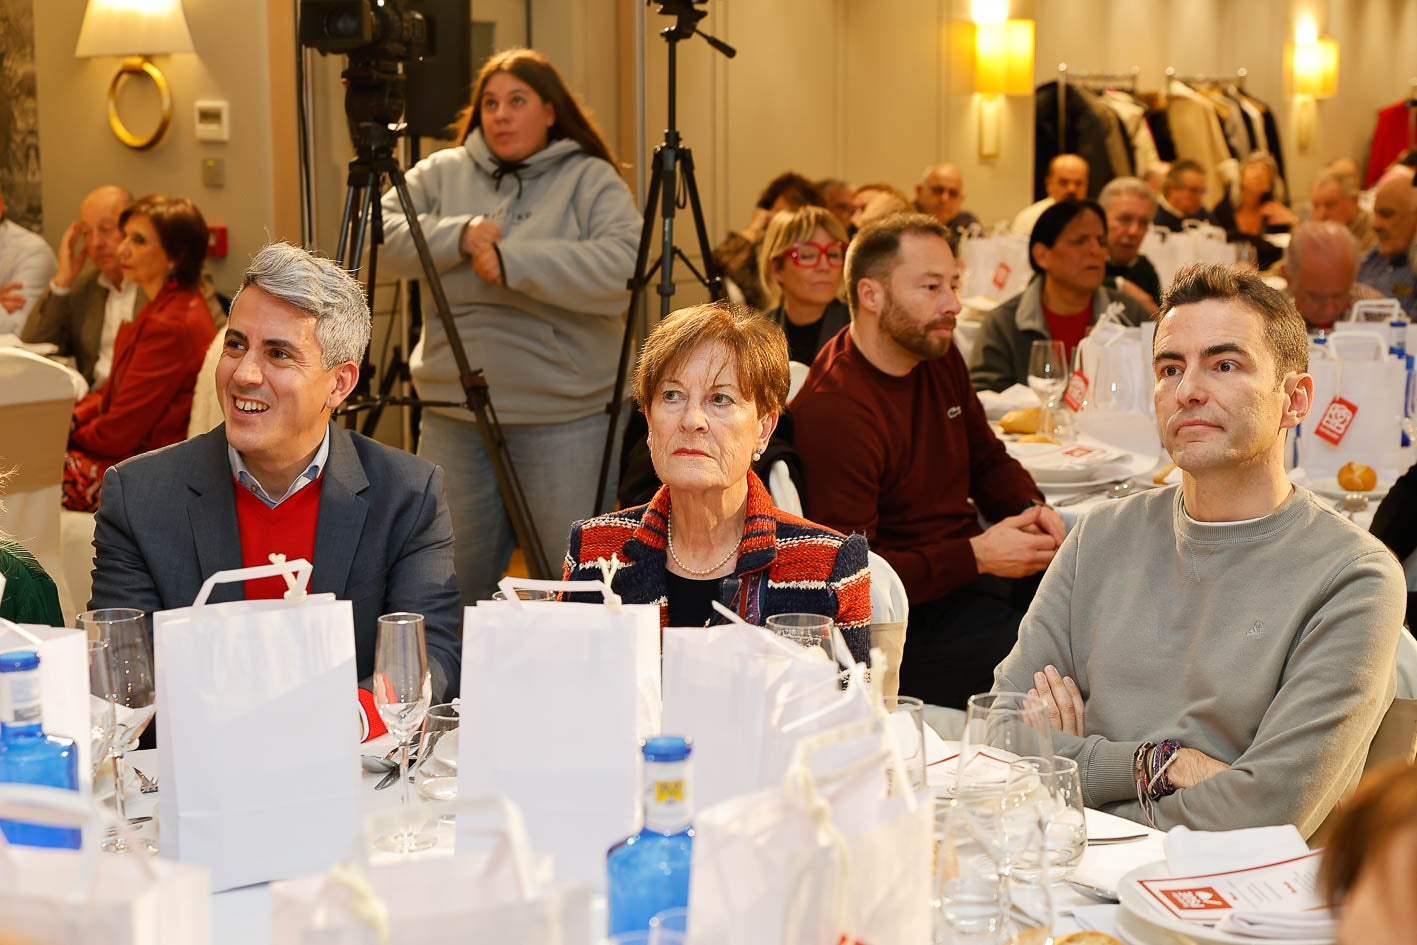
[100, 705]
[134, 696]
[1048, 377]
[403, 689]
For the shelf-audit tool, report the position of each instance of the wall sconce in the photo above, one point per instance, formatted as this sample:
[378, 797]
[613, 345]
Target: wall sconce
[1003, 65]
[134, 30]
[1313, 69]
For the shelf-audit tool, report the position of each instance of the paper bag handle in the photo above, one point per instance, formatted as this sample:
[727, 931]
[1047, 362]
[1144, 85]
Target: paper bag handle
[296, 573]
[508, 586]
[58, 807]
[1352, 339]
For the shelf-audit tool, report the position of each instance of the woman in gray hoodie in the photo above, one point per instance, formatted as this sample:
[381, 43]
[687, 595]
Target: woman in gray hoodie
[534, 235]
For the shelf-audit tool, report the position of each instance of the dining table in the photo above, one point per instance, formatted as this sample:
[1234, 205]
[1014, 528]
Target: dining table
[243, 916]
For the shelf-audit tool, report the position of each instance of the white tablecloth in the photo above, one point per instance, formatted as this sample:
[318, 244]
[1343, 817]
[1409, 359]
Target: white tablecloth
[243, 916]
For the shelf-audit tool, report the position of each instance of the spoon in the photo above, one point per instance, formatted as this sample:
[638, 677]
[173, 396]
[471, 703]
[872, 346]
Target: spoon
[1353, 502]
[1121, 489]
[1115, 491]
[1094, 892]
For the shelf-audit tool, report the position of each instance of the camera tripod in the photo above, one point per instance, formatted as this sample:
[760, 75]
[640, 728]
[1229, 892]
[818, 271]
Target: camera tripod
[373, 108]
[671, 186]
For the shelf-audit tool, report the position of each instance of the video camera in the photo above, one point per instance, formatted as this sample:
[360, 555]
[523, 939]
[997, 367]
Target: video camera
[376, 29]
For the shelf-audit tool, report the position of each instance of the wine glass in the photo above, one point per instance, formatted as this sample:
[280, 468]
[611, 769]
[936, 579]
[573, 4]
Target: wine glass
[100, 705]
[134, 696]
[1053, 789]
[403, 688]
[1048, 377]
[1000, 728]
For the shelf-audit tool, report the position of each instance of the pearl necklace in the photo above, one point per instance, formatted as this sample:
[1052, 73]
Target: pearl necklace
[669, 540]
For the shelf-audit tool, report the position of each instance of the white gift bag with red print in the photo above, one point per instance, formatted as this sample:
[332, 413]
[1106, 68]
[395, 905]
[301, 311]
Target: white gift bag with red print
[1356, 416]
[996, 268]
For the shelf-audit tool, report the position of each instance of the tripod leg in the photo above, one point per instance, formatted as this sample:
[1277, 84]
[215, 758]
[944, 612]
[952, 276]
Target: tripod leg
[347, 222]
[666, 165]
[632, 333]
[712, 279]
[478, 400]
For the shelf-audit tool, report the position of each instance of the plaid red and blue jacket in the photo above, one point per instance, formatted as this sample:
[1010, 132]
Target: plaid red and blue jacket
[786, 565]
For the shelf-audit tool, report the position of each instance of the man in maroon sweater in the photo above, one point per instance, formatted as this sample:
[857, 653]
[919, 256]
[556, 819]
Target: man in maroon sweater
[896, 445]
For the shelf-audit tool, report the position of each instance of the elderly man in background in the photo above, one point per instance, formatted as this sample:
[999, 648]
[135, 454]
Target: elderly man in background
[1334, 196]
[280, 477]
[85, 306]
[1155, 176]
[1130, 206]
[1388, 266]
[940, 193]
[1220, 653]
[1067, 177]
[26, 266]
[1183, 196]
[1321, 267]
[896, 446]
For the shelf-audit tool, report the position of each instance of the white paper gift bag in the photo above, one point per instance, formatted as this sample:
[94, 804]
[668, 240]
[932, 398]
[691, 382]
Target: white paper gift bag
[1355, 370]
[555, 700]
[839, 853]
[502, 892]
[63, 682]
[996, 268]
[722, 688]
[87, 897]
[260, 755]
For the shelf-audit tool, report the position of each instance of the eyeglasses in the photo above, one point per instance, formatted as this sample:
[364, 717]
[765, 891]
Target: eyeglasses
[806, 255]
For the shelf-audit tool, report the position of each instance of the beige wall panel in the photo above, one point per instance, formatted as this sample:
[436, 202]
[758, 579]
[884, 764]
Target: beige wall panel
[80, 153]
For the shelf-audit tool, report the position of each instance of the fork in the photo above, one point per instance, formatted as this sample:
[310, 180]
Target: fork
[146, 785]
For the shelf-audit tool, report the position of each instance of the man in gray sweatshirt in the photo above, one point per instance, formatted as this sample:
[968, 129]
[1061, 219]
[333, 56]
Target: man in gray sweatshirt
[1217, 654]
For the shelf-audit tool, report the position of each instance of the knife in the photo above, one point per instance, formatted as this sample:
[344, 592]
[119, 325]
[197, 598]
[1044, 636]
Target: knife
[1082, 496]
[388, 779]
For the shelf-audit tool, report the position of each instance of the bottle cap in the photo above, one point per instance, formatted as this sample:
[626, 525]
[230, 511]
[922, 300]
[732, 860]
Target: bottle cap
[18, 661]
[665, 748]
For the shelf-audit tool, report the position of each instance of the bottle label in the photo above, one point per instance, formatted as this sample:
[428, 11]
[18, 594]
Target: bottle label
[669, 806]
[19, 699]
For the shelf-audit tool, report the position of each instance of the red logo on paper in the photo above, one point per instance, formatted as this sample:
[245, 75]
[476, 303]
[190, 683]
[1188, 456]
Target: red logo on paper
[1001, 275]
[1337, 418]
[1076, 392]
[1202, 897]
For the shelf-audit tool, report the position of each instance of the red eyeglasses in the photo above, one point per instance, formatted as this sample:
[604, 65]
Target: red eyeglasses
[805, 255]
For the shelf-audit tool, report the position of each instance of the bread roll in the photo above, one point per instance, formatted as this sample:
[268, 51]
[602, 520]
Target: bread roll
[1086, 938]
[1159, 477]
[1038, 438]
[1020, 421]
[1356, 477]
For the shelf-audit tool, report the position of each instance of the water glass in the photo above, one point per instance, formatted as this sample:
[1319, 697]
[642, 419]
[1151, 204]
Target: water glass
[524, 593]
[403, 688]
[1000, 728]
[968, 895]
[1048, 377]
[134, 697]
[100, 705]
[808, 630]
[907, 728]
[1053, 788]
[434, 777]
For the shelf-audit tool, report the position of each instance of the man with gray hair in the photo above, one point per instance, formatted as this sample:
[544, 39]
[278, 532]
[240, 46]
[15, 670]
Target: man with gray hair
[1334, 196]
[1130, 204]
[1321, 267]
[1391, 265]
[278, 477]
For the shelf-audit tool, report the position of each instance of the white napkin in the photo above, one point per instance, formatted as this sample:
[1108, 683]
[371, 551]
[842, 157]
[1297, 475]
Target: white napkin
[1196, 852]
[1074, 456]
[1280, 925]
[1018, 397]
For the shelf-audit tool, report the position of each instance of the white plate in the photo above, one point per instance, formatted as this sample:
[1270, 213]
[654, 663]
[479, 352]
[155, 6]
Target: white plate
[1138, 920]
[1097, 477]
[1329, 488]
[446, 750]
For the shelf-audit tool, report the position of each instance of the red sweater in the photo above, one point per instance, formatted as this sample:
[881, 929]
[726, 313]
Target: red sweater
[147, 399]
[899, 459]
[288, 529]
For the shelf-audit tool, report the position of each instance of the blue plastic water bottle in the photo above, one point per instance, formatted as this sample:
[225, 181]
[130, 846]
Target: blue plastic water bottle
[648, 872]
[27, 755]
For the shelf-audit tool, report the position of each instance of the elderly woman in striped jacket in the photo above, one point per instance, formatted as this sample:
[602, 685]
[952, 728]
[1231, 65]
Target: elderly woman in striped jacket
[712, 381]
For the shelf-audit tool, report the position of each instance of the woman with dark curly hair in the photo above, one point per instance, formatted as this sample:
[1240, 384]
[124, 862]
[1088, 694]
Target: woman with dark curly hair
[147, 399]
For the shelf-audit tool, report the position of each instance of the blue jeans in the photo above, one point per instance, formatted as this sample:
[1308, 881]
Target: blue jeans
[558, 465]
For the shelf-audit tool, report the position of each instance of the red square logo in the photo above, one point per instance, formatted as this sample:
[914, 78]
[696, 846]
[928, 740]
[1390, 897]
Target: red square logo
[1200, 897]
[1337, 417]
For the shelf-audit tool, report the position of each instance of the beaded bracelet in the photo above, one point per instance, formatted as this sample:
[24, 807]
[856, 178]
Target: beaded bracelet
[1149, 770]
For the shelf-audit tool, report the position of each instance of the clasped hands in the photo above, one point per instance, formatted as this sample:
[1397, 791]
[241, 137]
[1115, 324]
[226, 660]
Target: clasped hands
[479, 244]
[1067, 712]
[1019, 545]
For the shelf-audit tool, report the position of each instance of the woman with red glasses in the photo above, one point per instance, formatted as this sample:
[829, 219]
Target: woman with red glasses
[801, 262]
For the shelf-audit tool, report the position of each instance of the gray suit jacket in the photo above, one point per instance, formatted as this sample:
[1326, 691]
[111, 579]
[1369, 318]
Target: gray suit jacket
[383, 540]
[73, 321]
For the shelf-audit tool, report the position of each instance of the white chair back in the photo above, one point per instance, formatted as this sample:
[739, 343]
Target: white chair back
[36, 405]
[206, 406]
